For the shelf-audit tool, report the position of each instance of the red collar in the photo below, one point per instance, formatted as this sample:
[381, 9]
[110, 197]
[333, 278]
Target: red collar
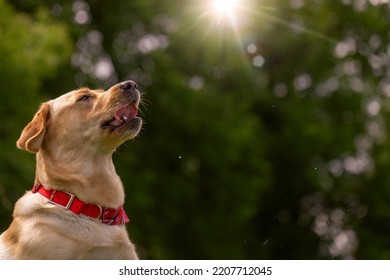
[109, 216]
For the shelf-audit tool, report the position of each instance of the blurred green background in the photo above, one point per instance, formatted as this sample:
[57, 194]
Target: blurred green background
[266, 133]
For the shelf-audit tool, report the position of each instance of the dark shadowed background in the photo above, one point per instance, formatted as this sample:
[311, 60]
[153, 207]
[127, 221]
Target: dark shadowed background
[266, 133]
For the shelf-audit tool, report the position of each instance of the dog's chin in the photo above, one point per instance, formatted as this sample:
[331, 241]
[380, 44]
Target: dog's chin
[130, 128]
[126, 130]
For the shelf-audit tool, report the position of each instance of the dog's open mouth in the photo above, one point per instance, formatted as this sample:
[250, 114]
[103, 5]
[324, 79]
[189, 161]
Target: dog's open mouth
[121, 116]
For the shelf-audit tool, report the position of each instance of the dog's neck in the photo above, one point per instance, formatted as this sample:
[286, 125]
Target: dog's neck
[93, 179]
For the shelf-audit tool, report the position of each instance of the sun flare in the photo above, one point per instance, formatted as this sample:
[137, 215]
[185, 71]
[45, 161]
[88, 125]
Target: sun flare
[225, 7]
[227, 14]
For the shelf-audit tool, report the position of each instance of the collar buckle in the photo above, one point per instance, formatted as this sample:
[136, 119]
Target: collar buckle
[70, 201]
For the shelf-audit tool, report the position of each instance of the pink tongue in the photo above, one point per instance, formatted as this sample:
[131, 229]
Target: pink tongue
[124, 113]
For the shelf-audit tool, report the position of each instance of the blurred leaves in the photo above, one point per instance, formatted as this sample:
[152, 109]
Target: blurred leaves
[32, 47]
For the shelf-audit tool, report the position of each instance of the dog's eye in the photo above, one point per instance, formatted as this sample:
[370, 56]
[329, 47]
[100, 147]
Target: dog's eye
[85, 98]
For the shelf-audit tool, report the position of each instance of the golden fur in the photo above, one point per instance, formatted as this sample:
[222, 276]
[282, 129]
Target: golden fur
[74, 137]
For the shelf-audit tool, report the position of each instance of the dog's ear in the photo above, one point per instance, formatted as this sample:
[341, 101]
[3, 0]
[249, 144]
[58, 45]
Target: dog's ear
[33, 134]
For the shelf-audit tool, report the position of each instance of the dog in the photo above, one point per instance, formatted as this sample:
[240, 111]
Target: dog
[75, 209]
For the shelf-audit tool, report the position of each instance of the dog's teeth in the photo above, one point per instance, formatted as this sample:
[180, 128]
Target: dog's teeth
[124, 118]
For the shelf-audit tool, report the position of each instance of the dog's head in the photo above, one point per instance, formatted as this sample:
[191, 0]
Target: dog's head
[85, 119]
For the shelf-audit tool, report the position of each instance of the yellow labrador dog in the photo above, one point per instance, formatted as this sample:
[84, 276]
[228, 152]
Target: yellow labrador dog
[75, 209]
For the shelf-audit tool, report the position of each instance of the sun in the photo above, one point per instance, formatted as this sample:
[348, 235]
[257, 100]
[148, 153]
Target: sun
[225, 7]
[226, 14]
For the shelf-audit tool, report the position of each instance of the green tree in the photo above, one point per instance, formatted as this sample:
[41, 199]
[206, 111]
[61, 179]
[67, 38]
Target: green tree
[31, 49]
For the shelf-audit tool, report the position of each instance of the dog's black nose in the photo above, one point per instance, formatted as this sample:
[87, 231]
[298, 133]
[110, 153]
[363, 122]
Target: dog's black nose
[129, 86]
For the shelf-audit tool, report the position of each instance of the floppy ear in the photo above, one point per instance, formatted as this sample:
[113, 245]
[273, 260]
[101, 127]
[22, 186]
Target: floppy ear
[33, 134]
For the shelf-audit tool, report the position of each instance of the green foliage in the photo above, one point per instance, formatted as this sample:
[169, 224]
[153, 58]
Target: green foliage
[31, 49]
[265, 135]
